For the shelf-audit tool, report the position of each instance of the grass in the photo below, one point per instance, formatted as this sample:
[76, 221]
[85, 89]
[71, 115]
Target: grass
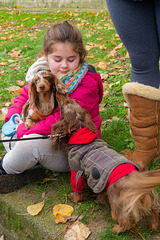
[24, 32]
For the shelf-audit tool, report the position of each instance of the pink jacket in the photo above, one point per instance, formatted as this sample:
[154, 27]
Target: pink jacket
[88, 94]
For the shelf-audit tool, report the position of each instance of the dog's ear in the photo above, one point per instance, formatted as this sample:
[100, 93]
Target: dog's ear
[32, 91]
[60, 86]
[60, 98]
[60, 127]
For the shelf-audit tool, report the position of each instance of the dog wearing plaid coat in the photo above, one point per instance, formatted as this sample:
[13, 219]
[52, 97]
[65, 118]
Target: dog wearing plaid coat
[92, 161]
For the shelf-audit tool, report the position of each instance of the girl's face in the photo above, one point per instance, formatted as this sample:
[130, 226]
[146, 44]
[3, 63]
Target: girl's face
[63, 59]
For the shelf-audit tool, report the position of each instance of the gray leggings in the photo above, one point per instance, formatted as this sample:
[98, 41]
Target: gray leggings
[26, 154]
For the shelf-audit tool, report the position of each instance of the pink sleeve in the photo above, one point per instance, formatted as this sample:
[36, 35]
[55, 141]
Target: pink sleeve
[43, 127]
[18, 103]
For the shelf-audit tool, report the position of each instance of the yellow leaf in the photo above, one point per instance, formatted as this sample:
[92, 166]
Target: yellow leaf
[17, 91]
[2, 118]
[61, 212]
[46, 180]
[91, 56]
[127, 55]
[35, 209]
[26, 19]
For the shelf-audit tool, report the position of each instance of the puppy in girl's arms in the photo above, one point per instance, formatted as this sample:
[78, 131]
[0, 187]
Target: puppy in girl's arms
[42, 98]
[92, 161]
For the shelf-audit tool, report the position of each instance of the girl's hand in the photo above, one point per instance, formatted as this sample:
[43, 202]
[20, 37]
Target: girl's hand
[18, 120]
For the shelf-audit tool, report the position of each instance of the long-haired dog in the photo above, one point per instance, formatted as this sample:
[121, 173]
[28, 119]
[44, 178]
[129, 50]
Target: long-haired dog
[131, 195]
[42, 98]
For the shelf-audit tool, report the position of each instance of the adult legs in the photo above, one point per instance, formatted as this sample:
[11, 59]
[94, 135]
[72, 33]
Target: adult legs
[136, 24]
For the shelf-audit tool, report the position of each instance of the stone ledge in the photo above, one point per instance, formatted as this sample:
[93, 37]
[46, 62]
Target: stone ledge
[16, 225]
[62, 4]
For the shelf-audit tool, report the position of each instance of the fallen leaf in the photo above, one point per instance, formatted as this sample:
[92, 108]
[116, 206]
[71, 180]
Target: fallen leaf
[1, 72]
[3, 64]
[114, 73]
[20, 83]
[47, 180]
[113, 52]
[115, 118]
[119, 46]
[27, 46]
[43, 195]
[127, 55]
[77, 231]
[101, 107]
[91, 56]
[12, 88]
[7, 38]
[35, 209]
[105, 93]
[102, 65]
[104, 76]
[15, 53]
[2, 118]
[17, 91]
[7, 104]
[61, 212]
[4, 111]
[91, 45]
[125, 104]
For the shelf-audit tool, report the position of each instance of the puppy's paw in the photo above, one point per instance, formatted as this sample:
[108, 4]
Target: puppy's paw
[116, 229]
[76, 197]
[155, 227]
[29, 123]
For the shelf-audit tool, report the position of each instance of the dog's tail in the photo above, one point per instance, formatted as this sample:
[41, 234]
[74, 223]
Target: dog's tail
[138, 193]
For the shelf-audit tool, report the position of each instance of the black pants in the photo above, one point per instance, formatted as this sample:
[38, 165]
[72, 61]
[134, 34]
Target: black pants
[138, 25]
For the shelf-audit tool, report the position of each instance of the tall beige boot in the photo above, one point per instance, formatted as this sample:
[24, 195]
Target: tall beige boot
[144, 116]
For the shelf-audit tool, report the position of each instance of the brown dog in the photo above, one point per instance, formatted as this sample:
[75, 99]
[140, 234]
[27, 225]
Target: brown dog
[42, 102]
[131, 196]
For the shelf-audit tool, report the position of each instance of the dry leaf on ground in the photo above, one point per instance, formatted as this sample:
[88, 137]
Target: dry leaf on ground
[47, 180]
[3, 64]
[61, 212]
[77, 231]
[12, 88]
[1, 72]
[4, 111]
[20, 83]
[15, 53]
[35, 209]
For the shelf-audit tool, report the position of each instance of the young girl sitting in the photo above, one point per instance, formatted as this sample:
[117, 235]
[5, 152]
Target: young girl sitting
[64, 55]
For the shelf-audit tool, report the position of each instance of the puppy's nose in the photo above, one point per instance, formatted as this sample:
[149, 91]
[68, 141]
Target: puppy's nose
[42, 87]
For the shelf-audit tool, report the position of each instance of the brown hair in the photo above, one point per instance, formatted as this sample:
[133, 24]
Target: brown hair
[65, 33]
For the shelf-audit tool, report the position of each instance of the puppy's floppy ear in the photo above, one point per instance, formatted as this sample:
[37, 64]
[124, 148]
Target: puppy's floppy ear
[60, 86]
[33, 91]
[60, 98]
